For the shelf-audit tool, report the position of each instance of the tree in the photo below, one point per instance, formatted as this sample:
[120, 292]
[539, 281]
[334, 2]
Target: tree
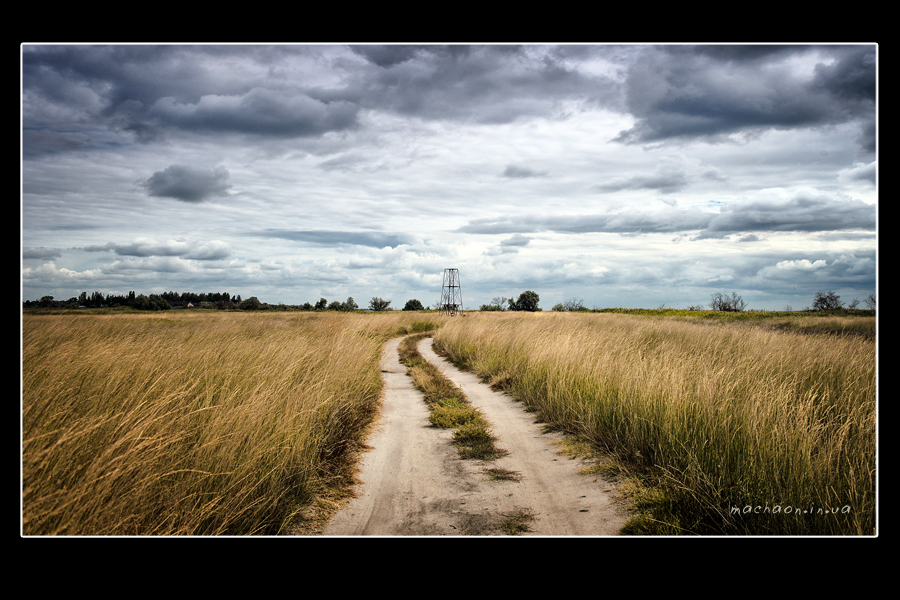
[870, 301]
[379, 304]
[499, 302]
[572, 305]
[722, 302]
[335, 305]
[141, 302]
[413, 305]
[157, 302]
[826, 301]
[349, 305]
[322, 304]
[527, 301]
[251, 303]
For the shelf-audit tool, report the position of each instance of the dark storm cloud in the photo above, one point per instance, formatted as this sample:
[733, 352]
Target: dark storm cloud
[78, 96]
[818, 271]
[862, 172]
[806, 212]
[258, 111]
[38, 142]
[146, 247]
[517, 240]
[153, 91]
[522, 172]
[386, 56]
[510, 245]
[336, 238]
[43, 253]
[851, 76]
[868, 136]
[736, 53]
[187, 183]
[481, 84]
[674, 92]
[684, 92]
[667, 220]
[665, 182]
[803, 212]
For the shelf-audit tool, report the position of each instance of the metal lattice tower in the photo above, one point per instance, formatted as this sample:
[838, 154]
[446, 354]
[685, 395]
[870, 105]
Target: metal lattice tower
[451, 293]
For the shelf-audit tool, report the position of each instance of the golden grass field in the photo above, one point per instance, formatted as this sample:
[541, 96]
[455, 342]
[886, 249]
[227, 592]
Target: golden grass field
[212, 423]
[191, 423]
[740, 428]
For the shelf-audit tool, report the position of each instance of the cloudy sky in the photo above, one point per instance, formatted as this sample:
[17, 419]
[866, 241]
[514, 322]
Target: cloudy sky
[627, 175]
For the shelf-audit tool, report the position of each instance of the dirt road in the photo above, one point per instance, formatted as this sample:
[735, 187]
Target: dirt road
[414, 483]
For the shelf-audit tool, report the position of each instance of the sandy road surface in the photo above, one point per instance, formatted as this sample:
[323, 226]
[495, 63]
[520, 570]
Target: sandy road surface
[414, 483]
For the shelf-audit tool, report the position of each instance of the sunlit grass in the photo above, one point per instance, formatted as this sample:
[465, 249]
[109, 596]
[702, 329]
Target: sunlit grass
[714, 417]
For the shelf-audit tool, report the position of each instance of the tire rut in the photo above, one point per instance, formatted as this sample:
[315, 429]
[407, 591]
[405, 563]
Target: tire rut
[414, 483]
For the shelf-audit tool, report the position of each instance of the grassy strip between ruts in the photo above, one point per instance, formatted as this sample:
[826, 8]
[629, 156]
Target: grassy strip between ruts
[448, 404]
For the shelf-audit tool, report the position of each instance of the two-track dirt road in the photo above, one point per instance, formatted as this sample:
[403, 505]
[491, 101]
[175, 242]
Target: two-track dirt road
[414, 483]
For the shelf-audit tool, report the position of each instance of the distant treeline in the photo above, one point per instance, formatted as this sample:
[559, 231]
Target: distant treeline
[164, 301]
[213, 300]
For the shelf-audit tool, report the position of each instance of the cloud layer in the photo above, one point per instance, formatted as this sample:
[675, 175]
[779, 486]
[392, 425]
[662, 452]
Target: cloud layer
[622, 174]
[687, 92]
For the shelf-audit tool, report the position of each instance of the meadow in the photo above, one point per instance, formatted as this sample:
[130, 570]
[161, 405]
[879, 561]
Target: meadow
[735, 425]
[193, 423]
[240, 423]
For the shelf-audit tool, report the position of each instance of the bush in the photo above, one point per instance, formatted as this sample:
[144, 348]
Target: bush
[827, 301]
[572, 305]
[722, 302]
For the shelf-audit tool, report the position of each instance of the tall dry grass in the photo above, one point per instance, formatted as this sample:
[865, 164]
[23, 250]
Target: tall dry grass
[742, 430]
[199, 423]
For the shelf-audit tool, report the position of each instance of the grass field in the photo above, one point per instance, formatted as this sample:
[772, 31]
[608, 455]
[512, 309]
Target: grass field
[740, 426]
[197, 423]
[211, 423]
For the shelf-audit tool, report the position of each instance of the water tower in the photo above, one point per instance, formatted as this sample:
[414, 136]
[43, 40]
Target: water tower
[451, 294]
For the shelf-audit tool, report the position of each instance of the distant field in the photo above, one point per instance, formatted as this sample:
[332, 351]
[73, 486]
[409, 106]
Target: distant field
[741, 425]
[193, 423]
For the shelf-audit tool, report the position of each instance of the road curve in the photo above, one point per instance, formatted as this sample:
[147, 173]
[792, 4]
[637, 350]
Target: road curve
[414, 483]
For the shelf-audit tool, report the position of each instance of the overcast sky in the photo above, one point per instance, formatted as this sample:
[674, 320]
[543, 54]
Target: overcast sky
[632, 176]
